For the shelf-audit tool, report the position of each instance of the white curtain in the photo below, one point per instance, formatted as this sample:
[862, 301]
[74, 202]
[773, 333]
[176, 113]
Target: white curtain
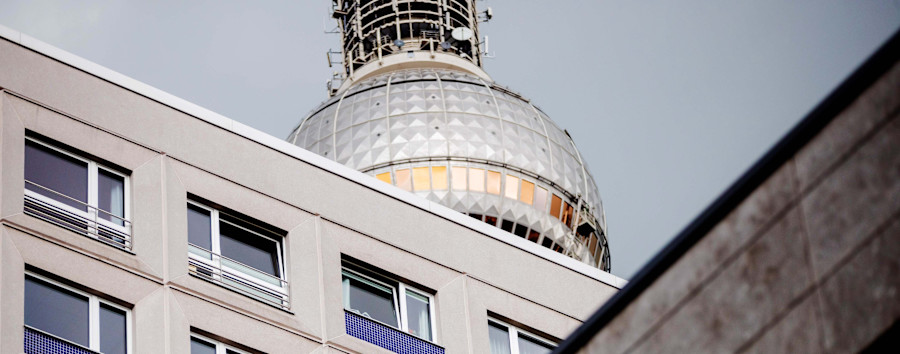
[499, 339]
[423, 329]
[346, 286]
[117, 201]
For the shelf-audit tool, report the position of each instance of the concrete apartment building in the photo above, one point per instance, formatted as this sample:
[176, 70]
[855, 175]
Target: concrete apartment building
[137, 222]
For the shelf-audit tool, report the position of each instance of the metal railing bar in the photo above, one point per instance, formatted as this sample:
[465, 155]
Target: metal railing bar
[55, 337]
[78, 201]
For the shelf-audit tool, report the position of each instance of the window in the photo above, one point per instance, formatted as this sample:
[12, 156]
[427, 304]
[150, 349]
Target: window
[507, 339]
[388, 301]
[237, 253]
[75, 316]
[512, 187]
[204, 345]
[77, 193]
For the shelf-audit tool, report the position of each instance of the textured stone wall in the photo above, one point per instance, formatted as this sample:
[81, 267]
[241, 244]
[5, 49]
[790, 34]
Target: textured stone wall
[809, 262]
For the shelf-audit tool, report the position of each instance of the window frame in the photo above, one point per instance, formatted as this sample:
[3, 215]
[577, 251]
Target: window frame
[94, 303]
[216, 251]
[93, 191]
[221, 347]
[513, 334]
[400, 311]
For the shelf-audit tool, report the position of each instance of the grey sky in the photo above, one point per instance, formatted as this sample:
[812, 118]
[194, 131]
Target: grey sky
[669, 102]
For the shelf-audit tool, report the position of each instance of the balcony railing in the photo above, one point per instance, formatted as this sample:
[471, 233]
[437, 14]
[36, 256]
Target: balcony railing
[239, 277]
[88, 220]
[387, 337]
[40, 342]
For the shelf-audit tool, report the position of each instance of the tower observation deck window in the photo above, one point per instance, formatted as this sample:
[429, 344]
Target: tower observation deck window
[508, 339]
[77, 193]
[238, 253]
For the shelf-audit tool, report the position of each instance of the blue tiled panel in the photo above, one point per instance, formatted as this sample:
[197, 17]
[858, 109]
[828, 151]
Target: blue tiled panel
[387, 337]
[40, 343]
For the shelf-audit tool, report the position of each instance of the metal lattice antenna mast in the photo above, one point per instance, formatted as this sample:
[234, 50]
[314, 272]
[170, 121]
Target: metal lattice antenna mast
[380, 35]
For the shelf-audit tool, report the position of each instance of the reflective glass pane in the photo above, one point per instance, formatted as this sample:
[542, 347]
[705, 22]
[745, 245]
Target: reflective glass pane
[370, 299]
[476, 180]
[111, 196]
[532, 346]
[499, 337]
[418, 315]
[493, 182]
[249, 249]
[540, 199]
[458, 178]
[439, 178]
[512, 187]
[384, 177]
[199, 227]
[421, 180]
[555, 206]
[568, 215]
[404, 180]
[527, 196]
[56, 311]
[112, 330]
[202, 347]
[57, 172]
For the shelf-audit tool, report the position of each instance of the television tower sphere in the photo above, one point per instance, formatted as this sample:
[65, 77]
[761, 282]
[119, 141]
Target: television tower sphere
[413, 107]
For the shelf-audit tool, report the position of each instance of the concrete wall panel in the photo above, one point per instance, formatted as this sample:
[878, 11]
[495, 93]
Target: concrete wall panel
[12, 297]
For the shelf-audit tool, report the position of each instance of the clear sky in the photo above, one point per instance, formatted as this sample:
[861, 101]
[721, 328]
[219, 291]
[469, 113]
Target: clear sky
[669, 102]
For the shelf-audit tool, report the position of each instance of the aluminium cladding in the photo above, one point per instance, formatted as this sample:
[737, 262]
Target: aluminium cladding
[389, 124]
[286, 148]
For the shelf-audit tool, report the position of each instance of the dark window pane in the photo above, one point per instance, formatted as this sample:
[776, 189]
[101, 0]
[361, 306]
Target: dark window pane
[475, 216]
[507, 225]
[112, 330]
[546, 242]
[490, 220]
[201, 347]
[199, 228]
[57, 172]
[111, 196]
[249, 249]
[229, 351]
[521, 230]
[56, 311]
[371, 300]
[532, 346]
[533, 236]
[499, 338]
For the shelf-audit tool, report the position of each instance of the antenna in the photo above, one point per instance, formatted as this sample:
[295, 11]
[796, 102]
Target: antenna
[486, 15]
[486, 53]
[461, 34]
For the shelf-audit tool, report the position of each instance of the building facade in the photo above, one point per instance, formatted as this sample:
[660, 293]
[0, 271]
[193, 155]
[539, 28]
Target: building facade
[137, 222]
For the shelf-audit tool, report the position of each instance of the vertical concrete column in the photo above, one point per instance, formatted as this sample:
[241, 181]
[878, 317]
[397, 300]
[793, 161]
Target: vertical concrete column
[12, 288]
[12, 154]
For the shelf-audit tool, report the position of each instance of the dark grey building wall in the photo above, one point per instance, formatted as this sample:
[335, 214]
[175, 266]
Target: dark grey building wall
[808, 262]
